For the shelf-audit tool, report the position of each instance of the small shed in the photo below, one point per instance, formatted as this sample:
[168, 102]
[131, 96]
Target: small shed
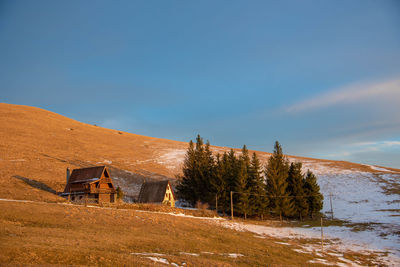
[157, 192]
[92, 184]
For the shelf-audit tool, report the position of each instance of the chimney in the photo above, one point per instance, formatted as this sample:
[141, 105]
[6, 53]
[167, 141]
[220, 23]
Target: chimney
[68, 175]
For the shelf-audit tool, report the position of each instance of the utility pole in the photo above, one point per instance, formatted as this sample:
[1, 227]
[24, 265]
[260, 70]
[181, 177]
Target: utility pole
[231, 205]
[330, 200]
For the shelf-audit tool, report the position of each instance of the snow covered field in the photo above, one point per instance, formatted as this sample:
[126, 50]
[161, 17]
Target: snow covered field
[367, 200]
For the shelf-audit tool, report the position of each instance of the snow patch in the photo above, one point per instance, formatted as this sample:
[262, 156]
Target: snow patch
[160, 260]
[189, 254]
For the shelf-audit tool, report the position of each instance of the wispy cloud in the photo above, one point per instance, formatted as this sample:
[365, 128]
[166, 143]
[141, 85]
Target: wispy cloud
[353, 93]
[377, 145]
[374, 152]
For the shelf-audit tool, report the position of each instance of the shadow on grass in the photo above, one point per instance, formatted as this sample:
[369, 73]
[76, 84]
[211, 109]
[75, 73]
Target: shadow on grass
[36, 184]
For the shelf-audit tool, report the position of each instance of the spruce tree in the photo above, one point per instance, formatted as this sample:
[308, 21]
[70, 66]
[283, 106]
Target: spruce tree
[243, 199]
[226, 170]
[218, 183]
[198, 168]
[187, 182]
[276, 173]
[314, 196]
[296, 190]
[258, 197]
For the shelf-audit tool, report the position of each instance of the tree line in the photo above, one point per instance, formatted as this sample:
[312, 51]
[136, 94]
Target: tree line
[279, 188]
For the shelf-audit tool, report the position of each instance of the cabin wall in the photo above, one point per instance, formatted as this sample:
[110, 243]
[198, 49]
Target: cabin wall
[169, 197]
[106, 198]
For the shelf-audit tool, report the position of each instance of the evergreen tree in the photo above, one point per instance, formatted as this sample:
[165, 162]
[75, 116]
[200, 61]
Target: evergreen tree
[208, 171]
[276, 173]
[198, 170]
[296, 190]
[187, 182]
[314, 196]
[232, 170]
[257, 187]
[218, 183]
[226, 170]
[243, 199]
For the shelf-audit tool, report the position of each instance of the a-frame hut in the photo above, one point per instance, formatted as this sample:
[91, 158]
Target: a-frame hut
[159, 192]
[90, 184]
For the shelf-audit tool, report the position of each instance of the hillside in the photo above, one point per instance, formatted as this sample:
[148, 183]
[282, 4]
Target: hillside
[36, 146]
[39, 145]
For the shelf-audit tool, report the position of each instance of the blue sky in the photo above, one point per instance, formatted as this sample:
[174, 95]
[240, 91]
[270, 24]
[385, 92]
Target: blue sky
[322, 77]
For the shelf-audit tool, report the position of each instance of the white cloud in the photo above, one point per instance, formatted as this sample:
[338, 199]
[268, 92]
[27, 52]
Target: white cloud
[377, 145]
[353, 93]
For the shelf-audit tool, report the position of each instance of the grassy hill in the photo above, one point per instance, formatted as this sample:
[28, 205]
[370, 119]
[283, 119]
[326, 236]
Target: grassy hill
[36, 147]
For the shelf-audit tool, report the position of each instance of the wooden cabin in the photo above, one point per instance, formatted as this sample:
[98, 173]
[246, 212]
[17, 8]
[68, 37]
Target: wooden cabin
[159, 192]
[93, 185]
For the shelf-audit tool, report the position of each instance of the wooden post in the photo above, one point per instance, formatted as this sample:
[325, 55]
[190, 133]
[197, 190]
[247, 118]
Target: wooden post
[216, 203]
[231, 205]
[85, 200]
[322, 237]
[69, 196]
[330, 200]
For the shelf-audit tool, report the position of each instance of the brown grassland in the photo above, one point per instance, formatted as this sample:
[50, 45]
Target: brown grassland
[36, 146]
[64, 234]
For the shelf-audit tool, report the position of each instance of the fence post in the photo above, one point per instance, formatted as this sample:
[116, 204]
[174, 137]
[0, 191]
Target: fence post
[231, 205]
[330, 200]
[322, 237]
[216, 203]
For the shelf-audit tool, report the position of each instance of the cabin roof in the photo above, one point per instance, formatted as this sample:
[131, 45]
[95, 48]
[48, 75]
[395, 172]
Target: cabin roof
[153, 192]
[86, 175]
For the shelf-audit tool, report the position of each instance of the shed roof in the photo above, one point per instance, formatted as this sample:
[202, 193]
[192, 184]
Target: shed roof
[86, 174]
[153, 192]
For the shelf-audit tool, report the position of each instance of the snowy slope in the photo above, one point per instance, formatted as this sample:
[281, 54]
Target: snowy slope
[365, 196]
[367, 200]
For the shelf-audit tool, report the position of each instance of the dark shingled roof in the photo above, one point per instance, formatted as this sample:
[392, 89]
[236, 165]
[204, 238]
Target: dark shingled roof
[86, 174]
[153, 192]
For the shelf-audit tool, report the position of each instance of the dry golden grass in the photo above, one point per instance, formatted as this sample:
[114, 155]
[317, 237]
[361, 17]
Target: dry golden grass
[45, 233]
[36, 146]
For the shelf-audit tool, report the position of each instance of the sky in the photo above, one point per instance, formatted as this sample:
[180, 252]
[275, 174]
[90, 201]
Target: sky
[321, 77]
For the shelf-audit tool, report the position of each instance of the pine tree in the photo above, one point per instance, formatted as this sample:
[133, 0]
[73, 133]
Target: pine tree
[257, 187]
[187, 182]
[208, 171]
[296, 190]
[276, 173]
[243, 199]
[315, 198]
[198, 168]
[218, 183]
[226, 170]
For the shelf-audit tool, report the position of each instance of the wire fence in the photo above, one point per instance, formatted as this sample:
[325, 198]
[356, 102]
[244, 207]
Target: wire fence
[330, 212]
